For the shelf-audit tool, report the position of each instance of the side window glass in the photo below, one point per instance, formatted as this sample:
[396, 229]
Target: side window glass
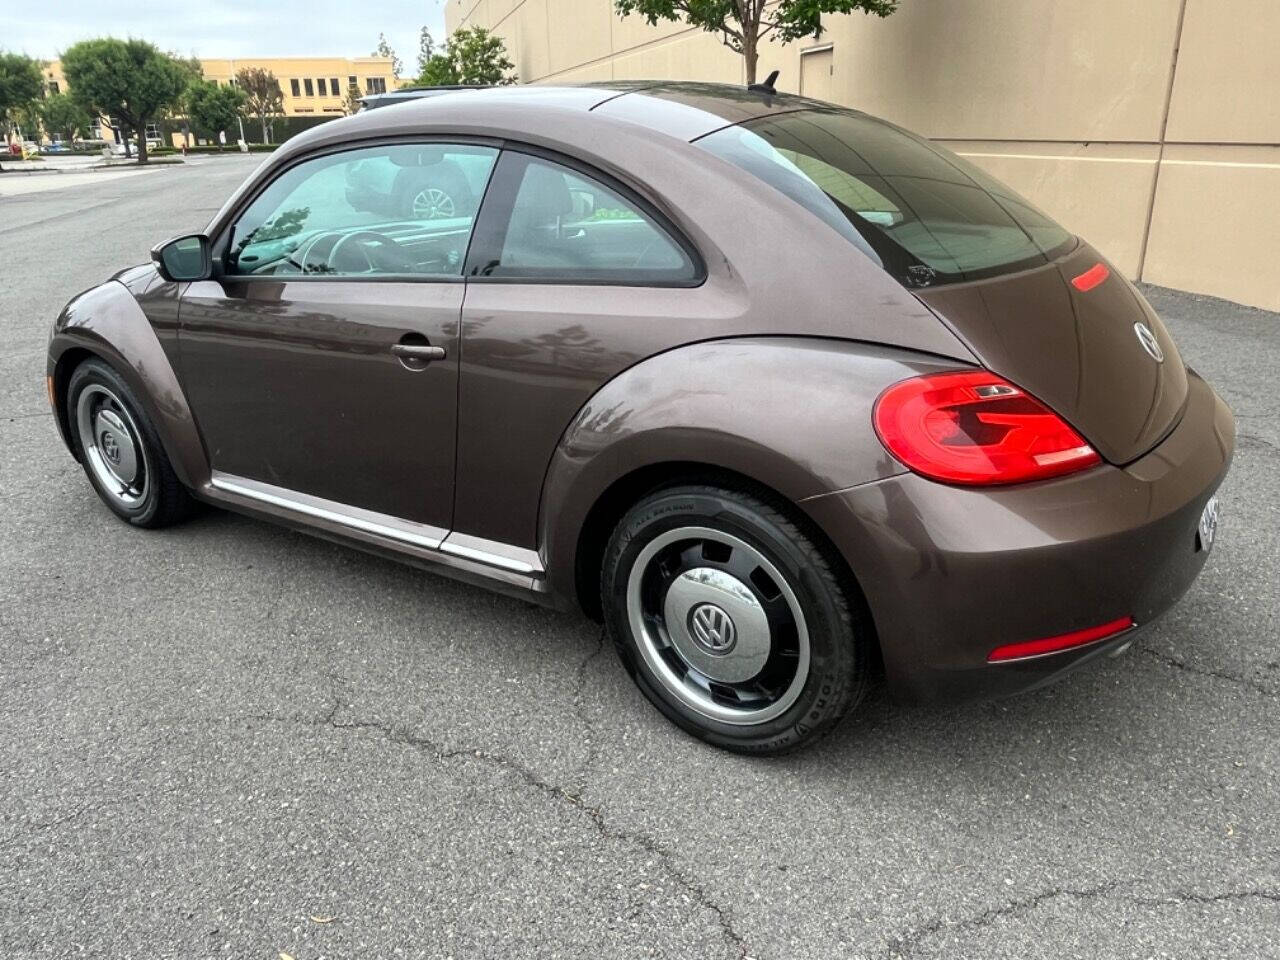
[404, 209]
[569, 227]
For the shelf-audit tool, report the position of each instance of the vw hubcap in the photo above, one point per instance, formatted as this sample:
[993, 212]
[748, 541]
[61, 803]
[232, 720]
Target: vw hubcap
[112, 448]
[718, 625]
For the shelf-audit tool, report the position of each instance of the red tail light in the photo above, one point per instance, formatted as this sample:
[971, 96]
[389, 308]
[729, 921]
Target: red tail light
[976, 428]
[1063, 641]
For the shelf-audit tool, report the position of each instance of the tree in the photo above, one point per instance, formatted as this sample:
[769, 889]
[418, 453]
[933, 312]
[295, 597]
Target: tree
[20, 86]
[426, 49]
[351, 102]
[262, 96]
[742, 24]
[212, 109]
[128, 79]
[384, 50]
[64, 118]
[472, 55]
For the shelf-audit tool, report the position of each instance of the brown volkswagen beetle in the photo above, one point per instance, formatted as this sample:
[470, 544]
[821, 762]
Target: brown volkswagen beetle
[782, 393]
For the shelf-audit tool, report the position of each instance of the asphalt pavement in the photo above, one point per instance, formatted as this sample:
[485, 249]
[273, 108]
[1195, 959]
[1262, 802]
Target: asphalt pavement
[226, 739]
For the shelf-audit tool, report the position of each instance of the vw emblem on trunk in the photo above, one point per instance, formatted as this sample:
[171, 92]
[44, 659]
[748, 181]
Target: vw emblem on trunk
[712, 628]
[1149, 341]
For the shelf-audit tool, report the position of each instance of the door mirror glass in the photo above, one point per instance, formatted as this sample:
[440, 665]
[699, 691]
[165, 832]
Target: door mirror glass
[186, 258]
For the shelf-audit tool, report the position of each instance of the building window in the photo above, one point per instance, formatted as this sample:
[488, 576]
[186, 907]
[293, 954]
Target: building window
[333, 87]
[153, 132]
[351, 82]
[320, 87]
[375, 85]
[309, 88]
[294, 89]
[53, 87]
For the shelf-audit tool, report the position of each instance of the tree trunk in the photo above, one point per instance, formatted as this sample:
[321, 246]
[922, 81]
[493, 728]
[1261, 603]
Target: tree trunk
[142, 142]
[128, 151]
[750, 54]
[263, 118]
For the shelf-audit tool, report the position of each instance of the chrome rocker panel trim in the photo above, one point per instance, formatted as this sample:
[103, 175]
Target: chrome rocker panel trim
[489, 560]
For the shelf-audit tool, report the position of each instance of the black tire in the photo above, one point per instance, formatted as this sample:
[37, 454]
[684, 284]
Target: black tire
[840, 644]
[164, 500]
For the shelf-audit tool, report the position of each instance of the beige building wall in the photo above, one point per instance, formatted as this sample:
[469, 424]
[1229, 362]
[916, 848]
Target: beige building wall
[1150, 127]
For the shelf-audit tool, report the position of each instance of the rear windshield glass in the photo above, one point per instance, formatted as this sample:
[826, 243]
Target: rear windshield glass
[926, 215]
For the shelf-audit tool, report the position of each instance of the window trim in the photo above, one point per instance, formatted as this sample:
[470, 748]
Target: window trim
[223, 234]
[489, 232]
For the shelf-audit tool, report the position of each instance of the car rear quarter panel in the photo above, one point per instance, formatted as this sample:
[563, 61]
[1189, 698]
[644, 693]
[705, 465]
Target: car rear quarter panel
[108, 322]
[791, 413]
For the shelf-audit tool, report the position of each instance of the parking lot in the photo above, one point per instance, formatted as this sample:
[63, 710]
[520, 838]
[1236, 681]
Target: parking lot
[229, 739]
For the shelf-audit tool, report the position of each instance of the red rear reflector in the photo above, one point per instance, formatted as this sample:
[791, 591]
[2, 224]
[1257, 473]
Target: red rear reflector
[1091, 277]
[976, 428]
[1064, 641]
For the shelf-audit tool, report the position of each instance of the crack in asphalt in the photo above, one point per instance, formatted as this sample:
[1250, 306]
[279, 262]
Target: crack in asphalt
[1178, 664]
[903, 946]
[443, 753]
[84, 809]
[583, 776]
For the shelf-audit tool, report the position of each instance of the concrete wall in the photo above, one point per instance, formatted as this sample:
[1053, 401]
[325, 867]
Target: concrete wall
[1151, 127]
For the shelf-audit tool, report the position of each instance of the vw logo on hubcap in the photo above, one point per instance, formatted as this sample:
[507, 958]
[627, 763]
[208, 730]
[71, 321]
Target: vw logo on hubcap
[110, 448]
[712, 628]
[1149, 341]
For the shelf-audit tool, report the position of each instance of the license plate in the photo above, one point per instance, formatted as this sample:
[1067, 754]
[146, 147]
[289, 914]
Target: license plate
[1208, 524]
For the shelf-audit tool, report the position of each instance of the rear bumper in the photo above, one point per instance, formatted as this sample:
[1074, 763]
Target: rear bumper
[950, 573]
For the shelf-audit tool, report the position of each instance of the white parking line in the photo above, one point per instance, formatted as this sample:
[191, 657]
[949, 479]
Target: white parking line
[18, 184]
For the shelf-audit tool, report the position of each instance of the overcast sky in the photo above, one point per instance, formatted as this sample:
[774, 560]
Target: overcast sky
[225, 28]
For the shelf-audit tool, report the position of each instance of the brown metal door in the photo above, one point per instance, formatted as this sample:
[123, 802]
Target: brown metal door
[305, 384]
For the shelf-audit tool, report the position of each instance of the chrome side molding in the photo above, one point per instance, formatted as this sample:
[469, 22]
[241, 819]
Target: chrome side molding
[424, 537]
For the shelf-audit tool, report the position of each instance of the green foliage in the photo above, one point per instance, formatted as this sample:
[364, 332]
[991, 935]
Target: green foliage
[128, 79]
[438, 72]
[64, 117]
[263, 98]
[20, 86]
[384, 50]
[212, 108]
[742, 24]
[426, 49]
[351, 102]
[473, 55]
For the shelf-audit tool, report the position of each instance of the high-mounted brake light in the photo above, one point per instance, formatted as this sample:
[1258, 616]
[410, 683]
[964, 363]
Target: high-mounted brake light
[975, 428]
[1091, 277]
[1063, 641]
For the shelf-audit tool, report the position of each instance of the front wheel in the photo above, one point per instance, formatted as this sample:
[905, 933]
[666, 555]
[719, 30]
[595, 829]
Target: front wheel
[120, 449]
[731, 620]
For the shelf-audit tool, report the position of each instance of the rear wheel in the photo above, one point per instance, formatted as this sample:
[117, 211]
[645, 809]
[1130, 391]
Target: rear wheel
[731, 620]
[120, 450]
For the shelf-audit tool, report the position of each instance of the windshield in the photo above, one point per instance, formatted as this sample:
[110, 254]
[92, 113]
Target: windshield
[924, 214]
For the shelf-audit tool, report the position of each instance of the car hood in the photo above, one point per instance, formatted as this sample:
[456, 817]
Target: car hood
[1078, 350]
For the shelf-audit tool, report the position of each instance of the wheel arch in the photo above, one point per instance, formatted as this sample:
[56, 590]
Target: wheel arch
[106, 323]
[758, 413]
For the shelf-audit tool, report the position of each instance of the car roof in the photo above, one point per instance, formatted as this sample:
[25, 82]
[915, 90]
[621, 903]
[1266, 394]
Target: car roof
[685, 110]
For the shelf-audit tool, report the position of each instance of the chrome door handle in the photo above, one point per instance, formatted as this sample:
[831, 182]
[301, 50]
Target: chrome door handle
[416, 351]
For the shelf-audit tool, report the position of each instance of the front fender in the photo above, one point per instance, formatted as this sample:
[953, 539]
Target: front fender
[108, 322]
[791, 413]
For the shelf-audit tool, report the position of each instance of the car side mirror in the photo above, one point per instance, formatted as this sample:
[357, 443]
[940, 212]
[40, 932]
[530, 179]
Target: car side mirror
[183, 258]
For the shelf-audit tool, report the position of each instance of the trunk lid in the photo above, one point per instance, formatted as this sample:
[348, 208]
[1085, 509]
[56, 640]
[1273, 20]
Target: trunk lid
[1080, 351]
